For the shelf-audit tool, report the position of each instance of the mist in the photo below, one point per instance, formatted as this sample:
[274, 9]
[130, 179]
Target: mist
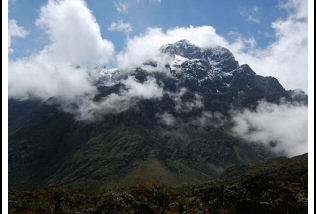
[282, 128]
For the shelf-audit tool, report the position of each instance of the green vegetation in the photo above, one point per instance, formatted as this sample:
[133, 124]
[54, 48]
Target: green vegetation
[162, 199]
[181, 206]
[48, 147]
[276, 186]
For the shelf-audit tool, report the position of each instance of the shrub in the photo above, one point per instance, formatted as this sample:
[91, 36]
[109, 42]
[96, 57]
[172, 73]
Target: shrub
[181, 206]
[162, 199]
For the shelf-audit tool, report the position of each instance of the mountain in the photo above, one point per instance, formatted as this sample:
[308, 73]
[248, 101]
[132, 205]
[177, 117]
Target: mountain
[184, 136]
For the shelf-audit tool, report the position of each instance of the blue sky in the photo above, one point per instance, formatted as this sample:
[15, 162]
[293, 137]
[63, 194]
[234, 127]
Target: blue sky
[270, 36]
[250, 18]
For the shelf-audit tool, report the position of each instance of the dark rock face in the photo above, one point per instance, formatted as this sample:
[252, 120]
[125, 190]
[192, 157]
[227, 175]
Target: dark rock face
[49, 147]
[217, 77]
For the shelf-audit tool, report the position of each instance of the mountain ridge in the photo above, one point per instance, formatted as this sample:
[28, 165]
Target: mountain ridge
[50, 147]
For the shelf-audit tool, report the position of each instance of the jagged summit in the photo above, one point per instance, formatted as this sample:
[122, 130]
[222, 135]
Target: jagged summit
[182, 48]
[189, 56]
[186, 49]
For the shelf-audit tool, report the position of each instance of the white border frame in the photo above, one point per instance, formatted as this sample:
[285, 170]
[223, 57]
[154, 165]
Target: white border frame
[4, 107]
[310, 106]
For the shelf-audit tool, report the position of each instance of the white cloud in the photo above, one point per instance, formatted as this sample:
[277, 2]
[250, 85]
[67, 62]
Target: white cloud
[121, 26]
[121, 7]
[166, 119]
[88, 109]
[14, 30]
[146, 90]
[298, 8]
[74, 33]
[215, 119]
[284, 125]
[250, 14]
[285, 59]
[39, 77]
[75, 39]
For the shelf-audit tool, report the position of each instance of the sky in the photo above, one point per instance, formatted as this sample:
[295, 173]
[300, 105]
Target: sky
[250, 18]
[270, 36]
[49, 39]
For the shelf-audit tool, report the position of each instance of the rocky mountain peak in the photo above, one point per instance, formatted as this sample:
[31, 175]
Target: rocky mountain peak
[182, 48]
[216, 59]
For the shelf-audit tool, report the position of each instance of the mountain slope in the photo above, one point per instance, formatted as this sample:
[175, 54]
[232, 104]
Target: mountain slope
[277, 186]
[184, 136]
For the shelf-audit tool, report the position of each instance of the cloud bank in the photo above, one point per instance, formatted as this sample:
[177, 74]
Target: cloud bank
[75, 39]
[87, 109]
[283, 128]
[65, 68]
[74, 34]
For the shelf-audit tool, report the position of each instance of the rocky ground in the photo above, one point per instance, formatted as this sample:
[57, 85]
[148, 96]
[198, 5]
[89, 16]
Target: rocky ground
[276, 186]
